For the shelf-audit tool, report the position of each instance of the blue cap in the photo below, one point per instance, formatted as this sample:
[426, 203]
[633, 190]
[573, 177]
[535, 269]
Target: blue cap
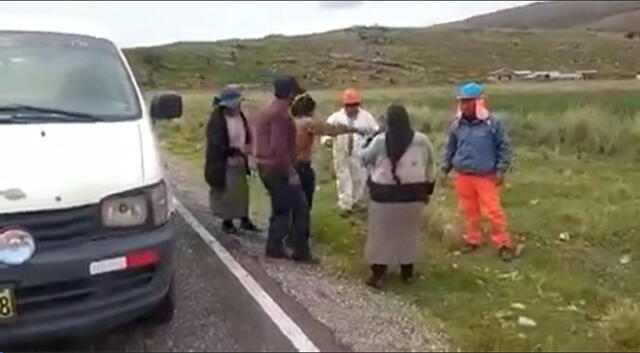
[230, 97]
[470, 90]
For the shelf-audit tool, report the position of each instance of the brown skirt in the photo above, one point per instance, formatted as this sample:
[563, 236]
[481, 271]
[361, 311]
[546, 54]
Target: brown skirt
[233, 202]
[394, 236]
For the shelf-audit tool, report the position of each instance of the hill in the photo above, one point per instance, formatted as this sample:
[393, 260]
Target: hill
[597, 15]
[379, 56]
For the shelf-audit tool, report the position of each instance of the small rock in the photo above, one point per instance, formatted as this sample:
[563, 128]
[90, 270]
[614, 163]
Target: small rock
[624, 260]
[501, 314]
[564, 236]
[457, 253]
[518, 306]
[522, 336]
[526, 322]
[571, 308]
[455, 266]
[534, 202]
[519, 249]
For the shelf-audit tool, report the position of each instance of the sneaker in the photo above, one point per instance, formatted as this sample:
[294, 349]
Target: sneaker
[507, 254]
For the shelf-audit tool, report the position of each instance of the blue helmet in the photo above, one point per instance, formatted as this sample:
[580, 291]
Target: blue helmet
[470, 90]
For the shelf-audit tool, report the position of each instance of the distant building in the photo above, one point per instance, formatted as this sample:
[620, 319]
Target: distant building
[566, 76]
[541, 75]
[502, 74]
[588, 74]
[507, 75]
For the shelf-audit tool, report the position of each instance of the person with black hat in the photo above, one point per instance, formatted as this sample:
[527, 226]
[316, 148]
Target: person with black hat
[275, 152]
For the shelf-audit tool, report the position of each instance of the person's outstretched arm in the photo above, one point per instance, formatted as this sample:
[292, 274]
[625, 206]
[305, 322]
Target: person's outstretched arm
[321, 128]
[326, 138]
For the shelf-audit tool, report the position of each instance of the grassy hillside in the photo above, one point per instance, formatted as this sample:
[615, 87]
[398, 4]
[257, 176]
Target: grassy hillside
[603, 15]
[368, 57]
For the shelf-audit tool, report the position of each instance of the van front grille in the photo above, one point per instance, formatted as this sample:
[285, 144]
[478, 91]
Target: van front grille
[59, 295]
[59, 227]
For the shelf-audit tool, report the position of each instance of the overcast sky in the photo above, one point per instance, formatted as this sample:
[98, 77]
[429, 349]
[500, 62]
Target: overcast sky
[137, 23]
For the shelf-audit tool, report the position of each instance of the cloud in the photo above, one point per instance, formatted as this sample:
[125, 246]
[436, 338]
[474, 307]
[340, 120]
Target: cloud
[340, 5]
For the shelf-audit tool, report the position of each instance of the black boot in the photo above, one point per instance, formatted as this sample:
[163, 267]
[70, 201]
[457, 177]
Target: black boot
[246, 224]
[377, 276]
[228, 227]
[407, 273]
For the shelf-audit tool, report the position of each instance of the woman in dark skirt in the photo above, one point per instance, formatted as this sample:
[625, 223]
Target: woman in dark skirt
[226, 166]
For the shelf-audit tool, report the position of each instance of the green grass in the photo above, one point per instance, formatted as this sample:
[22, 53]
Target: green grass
[576, 172]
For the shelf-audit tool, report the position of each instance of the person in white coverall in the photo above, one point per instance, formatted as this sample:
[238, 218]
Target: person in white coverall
[350, 172]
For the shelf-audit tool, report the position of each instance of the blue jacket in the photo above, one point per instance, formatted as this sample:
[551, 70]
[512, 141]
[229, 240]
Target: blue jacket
[477, 147]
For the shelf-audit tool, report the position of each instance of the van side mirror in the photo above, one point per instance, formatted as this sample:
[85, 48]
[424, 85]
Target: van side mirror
[166, 106]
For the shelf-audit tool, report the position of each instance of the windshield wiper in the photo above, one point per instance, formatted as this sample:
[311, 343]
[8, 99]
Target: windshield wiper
[23, 112]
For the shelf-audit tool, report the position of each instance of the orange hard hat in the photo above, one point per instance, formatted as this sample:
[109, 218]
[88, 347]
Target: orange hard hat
[351, 96]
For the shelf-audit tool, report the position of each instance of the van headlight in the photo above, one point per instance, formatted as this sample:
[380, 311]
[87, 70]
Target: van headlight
[137, 208]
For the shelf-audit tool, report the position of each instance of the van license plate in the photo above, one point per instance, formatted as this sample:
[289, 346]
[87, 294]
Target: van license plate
[7, 304]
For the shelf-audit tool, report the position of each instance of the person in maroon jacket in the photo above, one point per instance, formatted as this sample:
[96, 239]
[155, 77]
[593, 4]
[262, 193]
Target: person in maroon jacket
[275, 152]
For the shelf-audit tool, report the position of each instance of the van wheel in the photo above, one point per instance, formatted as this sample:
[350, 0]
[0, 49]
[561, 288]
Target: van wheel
[163, 312]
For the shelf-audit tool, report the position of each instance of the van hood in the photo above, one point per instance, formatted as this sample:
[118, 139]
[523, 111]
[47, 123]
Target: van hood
[55, 166]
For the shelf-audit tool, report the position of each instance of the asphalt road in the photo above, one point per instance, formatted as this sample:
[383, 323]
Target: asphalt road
[213, 311]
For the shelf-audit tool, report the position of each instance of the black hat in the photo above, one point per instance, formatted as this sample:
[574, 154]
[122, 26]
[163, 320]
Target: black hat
[285, 85]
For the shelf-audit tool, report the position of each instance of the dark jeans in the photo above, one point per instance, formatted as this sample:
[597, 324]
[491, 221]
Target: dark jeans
[307, 181]
[289, 215]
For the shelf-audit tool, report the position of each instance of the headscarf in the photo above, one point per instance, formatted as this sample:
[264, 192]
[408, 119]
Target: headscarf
[399, 136]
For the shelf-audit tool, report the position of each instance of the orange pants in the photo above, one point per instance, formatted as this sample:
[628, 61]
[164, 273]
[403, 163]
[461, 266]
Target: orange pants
[480, 195]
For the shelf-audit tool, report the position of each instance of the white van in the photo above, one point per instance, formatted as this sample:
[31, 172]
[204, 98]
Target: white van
[86, 238]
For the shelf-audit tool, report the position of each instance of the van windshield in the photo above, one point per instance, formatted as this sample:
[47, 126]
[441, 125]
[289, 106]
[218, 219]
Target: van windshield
[69, 77]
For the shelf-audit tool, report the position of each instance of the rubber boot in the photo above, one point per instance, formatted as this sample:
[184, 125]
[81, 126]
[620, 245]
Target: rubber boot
[377, 275]
[407, 273]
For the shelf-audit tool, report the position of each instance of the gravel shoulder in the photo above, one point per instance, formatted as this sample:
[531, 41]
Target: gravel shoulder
[357, 318]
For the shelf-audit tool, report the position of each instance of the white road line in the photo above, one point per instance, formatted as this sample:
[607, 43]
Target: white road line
[288, 327]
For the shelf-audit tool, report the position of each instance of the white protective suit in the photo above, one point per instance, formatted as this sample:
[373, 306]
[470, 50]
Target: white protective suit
[350, 172]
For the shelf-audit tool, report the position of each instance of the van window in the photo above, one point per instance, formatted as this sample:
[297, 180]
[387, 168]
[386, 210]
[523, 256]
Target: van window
[65, 72]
